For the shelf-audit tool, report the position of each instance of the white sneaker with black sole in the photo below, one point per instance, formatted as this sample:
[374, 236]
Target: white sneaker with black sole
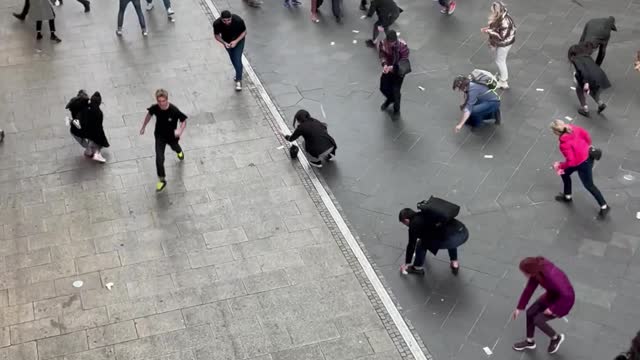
[238, 86]
[317, 164]
[150, 6]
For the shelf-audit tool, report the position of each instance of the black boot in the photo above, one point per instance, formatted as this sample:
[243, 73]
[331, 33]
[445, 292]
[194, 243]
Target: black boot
[38, 35]
[19, 16]
[55, 38]
[86, 4]
[601, 107]
[385, 105]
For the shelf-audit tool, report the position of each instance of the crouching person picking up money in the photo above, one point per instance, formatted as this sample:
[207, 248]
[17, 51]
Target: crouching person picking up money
[432, 228]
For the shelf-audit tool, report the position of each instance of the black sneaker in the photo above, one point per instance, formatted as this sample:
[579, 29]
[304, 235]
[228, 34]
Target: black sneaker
[1, 135]
[363, 6]
[414, 270]
[370, 43]
[385, 105]
[55, 38]
[38, 36]
[601, 108]
[603, 212]
[563, 198]
[317, 164]
[583, 112]
[19, 16]
[554, 344]
[524, 345]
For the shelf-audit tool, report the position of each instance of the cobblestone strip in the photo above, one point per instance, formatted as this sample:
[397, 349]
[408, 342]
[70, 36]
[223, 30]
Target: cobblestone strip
[366, 285]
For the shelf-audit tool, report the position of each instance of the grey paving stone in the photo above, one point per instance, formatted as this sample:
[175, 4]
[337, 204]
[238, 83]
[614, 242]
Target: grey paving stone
[179, 299]
[266, 281]
[152, 286]
[160, 323]
[52, 271]
[23, 260]
[131, 309]
[31, 293]
[220, 349]
[62, 345]
[90, 281]
[78, 320]
[311, 352]
[211, 257]
[105, 353]
[223, 289]
[26, 351]
[98, 262]
[380, 341]
[111, 334]
[34, 330]
[348, 347]
[5, 337]
[16, 314]
[195, 278]
[225, 237]
[312, 332]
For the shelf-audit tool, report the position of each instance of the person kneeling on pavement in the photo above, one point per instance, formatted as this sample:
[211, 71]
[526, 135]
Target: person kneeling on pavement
[318, 144]
[432, 229]
[481, 103]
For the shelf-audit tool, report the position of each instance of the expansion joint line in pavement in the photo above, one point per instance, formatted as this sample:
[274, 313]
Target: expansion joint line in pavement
[381, 291]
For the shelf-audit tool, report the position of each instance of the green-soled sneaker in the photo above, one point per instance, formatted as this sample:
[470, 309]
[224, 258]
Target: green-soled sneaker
[181, 155]
[160, 185]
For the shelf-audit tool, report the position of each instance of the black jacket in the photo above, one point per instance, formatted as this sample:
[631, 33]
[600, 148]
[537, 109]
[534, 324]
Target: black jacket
[598, 31]
[386, 10]
[316, 138]
[431, 236]
[76, 105]
[91, 126]
[587, 71]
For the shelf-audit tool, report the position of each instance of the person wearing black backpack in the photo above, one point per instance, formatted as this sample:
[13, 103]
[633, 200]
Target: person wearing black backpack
[428, 231]
[481, 103]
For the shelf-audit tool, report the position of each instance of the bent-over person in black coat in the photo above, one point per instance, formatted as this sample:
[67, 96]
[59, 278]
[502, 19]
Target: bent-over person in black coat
[318, 144]
[590, 78]
[598, 32]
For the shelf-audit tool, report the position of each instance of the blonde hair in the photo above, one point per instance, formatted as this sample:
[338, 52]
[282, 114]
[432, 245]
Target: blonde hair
[162, 93]
[559, 127]
[498, 9]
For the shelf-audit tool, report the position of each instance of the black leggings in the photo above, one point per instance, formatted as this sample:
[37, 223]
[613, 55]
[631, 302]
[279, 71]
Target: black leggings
[52, 25]
[595, 94]
[537, 318]
[161, 145]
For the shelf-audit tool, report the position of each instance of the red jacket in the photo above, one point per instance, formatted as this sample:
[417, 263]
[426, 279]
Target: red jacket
[575, 147]
[559, 297]
[390, 55]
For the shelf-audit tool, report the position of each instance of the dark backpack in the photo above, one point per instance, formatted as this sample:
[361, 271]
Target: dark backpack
[439, 210]
[293, 151]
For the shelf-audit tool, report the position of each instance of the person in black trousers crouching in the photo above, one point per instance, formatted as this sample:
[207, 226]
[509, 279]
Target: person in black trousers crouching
[318, 144]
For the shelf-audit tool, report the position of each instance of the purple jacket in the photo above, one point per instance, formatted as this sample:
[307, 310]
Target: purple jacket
[559, 296]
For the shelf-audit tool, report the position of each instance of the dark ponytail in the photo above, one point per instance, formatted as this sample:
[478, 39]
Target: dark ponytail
[301, 116]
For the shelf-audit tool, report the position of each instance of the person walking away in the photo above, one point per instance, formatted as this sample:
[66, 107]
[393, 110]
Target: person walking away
[392, 51]
[448, 6]
[502, 35]
[166, 132]
[480, 103]
[230, 31]
[388, 11]
[425, 234]
[555, 303]
[634, 350]
[138, 8]
[167, 6]
[598, 32]
[41, 10]
[575, 145]
[590, 78]
[318, 144]
[88, 131]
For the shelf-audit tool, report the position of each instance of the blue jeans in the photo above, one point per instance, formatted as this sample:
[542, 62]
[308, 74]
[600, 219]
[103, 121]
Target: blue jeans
[585, 173]
[235, 54]
[136, 5]
[167, 3]
[451, 244]
[483, 111]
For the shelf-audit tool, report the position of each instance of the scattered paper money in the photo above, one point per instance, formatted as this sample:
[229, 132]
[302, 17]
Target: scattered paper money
[280, 147]
[488, 156]
[363, 16]
[628, 177]
[487, 351]
[332, 43]
[573, 88]
[355, 31]
[78, 283]
[109, 285]
[355, 41]
[568, 118]
[538, 89]
[421, 88]
[638, 215]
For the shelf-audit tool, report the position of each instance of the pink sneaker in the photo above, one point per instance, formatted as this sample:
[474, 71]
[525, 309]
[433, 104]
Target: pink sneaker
[452, 8]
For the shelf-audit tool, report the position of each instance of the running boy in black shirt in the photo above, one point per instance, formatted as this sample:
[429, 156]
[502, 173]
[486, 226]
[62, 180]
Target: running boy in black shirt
[167, 131]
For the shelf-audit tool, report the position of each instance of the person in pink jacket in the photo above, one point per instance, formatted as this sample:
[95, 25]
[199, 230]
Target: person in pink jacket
[575, 145]
[555, 303]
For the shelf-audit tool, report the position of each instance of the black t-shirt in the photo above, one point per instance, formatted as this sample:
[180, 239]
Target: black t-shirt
[229, 32]
[166, 120]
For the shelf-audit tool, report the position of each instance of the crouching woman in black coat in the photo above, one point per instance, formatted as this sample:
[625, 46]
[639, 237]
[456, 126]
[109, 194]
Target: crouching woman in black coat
[86, 127]
[318, 144]
[590, 78]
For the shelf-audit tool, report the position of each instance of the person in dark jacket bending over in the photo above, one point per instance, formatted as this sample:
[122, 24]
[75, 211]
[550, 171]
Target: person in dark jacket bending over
[87, 127]
[425, 234]
[598, 32]
[590, 78]
[318, 144]
[388, 11]
[391, 51]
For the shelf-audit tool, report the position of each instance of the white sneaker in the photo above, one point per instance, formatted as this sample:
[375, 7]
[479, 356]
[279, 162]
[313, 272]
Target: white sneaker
[144, 33]
[67, 121]
[119, 32]
[238, 86]
[98, 157]
[503, 84]
[57, 3]
[331, 157]
[170, 11]
[150, 6]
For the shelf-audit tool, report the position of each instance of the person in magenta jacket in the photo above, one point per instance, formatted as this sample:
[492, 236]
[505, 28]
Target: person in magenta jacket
[555, 303]
[575, 145]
